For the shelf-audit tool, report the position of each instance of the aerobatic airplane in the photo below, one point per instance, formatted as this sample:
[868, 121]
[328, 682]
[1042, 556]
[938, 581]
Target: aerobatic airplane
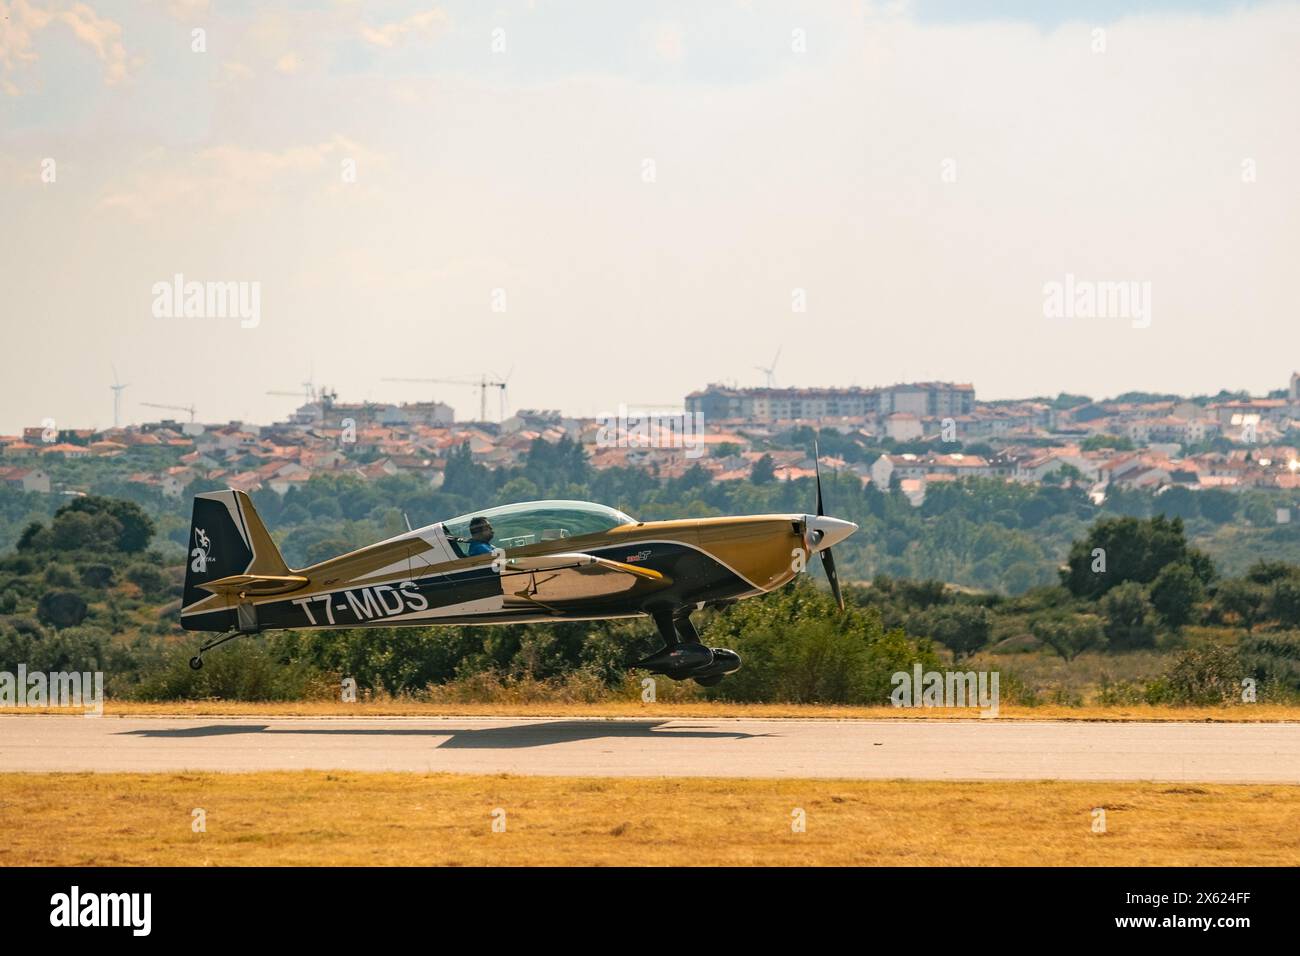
[535, 561]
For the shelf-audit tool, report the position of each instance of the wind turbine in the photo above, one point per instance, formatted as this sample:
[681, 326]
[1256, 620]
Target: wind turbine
[770, 371]
[117, 396]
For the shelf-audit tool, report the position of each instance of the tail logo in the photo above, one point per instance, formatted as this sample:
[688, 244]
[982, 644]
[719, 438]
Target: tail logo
[201, 552]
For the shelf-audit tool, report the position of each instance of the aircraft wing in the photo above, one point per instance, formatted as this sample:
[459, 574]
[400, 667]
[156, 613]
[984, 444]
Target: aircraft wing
[568, 581]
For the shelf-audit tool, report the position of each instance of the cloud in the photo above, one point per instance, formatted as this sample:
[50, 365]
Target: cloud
[20, 22]
[231, 180]
[102, 35]
[824, 171]
[288, 64]
[424, 25]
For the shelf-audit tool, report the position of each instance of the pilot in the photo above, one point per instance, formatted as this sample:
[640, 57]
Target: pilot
[480, 536]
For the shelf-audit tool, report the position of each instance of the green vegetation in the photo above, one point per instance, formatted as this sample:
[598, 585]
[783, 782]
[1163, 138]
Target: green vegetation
[1125, 603]
[978, 533]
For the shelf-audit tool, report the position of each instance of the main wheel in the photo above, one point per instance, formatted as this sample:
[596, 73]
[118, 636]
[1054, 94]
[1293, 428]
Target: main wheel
[196, 662]
[713, 681]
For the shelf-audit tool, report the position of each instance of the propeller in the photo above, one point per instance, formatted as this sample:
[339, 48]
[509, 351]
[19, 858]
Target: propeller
[828, 561]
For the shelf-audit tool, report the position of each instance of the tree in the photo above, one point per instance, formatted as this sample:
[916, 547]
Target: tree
[1069, 636]
[763, 471]
[1178, 502]
[137, 528]
[465, 477]
[82, 531]
[1129, 617]
[1113, 442]
[1218, 505]
[35, 537]
[98, 576]
[60, 609]
[1284, 603]
[961, 628]
[325, 549]
[1269, 572]
[1243, 599]
[1175, 594]
[1120, 550]
[151, 581]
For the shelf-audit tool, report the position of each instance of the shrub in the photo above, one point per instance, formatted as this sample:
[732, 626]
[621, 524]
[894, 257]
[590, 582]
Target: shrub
[798, 647]
[1129, 617]
[98, 576]
[1243, 600]
[1069, 636]
[151, 581]
[60, 609]
[244, 670]
[1273, 660]
[1199, 678]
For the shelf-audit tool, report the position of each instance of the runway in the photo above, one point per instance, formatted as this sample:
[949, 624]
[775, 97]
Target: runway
[657, 747]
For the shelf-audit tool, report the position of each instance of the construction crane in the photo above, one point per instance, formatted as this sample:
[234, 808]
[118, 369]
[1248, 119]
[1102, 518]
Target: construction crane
[483, 384]
[117, 388]
[174, 408]
[325, 395]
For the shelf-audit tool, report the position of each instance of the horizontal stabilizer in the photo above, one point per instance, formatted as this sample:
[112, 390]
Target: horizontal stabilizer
[255, 584]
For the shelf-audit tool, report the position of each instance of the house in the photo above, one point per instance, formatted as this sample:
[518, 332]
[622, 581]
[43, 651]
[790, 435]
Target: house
[26, 479]
[67, 450]
[903, 426]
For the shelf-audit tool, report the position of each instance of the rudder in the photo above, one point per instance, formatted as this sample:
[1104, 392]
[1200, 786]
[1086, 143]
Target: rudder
[227, 537]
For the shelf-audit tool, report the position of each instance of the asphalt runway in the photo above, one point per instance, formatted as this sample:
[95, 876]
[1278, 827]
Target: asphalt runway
[863, 749]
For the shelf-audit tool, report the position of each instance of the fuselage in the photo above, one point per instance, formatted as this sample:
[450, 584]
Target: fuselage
[421, 578]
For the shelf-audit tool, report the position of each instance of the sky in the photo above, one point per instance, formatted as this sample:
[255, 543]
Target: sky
[615, 204]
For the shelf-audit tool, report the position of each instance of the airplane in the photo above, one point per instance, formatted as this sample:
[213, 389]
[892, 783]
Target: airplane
[516, 563]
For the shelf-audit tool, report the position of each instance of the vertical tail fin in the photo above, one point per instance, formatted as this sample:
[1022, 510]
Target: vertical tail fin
[227, 537]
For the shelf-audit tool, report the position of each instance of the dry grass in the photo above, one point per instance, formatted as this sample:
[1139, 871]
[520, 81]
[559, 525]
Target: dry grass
[445, 819]
[1245, 713]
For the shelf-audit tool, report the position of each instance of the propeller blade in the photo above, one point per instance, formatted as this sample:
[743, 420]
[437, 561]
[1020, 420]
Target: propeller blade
[828, 562]
[817, 467]
[828, 565]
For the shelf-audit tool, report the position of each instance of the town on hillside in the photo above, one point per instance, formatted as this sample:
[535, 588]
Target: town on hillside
[905, 437]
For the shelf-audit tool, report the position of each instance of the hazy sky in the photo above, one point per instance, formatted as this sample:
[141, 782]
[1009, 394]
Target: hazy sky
[647, 185]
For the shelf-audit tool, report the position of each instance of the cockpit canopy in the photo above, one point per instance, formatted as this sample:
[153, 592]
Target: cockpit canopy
[532, 522]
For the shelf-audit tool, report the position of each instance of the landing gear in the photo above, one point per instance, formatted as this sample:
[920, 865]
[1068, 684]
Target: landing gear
[196, 662]
[684, 655]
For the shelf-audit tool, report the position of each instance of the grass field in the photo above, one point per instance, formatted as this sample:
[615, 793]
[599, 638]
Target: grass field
[446, 819]
[702, 708]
